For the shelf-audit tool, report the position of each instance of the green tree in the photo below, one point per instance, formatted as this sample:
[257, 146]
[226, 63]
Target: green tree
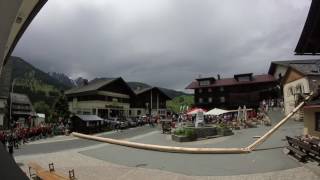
[61, 108]
[42, 107]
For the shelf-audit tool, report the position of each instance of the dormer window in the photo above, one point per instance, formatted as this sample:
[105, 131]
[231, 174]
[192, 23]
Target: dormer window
[243, 77]
[204, 83]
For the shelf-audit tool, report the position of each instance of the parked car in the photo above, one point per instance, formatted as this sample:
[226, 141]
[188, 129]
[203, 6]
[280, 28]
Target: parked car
[112, 123]
[139, 121]
[123, 123]
[132, 122]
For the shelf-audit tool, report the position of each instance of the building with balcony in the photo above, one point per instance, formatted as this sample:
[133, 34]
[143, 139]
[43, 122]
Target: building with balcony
[230, 93]
[22, 111]
[105, 97]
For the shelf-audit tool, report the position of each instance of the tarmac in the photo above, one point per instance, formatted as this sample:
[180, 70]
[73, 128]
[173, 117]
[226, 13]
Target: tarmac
[94, 160]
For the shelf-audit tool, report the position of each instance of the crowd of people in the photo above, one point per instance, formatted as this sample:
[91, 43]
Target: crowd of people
[269, 104]
[17, 136]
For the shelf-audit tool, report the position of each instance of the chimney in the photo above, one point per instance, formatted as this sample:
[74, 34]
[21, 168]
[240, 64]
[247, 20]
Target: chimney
[218, 76]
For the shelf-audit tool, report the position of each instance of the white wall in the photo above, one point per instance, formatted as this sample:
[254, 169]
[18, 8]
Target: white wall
[289, 99]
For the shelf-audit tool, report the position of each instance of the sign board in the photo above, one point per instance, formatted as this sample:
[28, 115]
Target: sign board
[199, 118]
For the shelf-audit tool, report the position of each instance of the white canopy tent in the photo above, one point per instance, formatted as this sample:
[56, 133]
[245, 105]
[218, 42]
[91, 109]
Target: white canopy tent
[216, 112]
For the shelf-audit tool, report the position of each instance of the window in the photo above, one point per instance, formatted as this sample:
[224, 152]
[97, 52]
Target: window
[204, 83]
[299, 89]
[222, 99]
[317, 122]
[139, 112]
[200, 100]
[290, 91]
[244, 78]
[210, 99]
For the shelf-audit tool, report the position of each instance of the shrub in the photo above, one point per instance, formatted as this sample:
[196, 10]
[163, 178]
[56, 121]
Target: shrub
[179, 132]
[190, 133]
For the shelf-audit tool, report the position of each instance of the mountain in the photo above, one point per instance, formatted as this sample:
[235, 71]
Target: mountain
[64, 79]
[38, 85]
[41, 86]
[173, 93]
[138, 85]
[170, 92]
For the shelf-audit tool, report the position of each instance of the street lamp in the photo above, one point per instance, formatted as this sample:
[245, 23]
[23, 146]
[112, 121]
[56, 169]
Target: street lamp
[11, 93]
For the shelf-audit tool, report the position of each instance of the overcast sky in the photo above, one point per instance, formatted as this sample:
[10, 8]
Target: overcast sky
[165, 43]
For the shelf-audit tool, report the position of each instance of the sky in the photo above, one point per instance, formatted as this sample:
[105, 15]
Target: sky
[166, 43]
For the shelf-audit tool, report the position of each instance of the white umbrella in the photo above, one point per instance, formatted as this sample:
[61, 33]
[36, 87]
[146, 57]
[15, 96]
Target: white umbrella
[239, 114]
[216, 112]
[245, 113]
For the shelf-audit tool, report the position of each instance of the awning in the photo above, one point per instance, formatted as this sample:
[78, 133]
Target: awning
[89, 117]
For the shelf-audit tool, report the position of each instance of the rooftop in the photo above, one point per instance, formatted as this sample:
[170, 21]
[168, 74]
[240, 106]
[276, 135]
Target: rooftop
[92, 86]
[233, 82]
[309, 42]
[307, 66]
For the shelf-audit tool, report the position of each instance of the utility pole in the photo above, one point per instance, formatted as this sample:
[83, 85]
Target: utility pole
[10, 107]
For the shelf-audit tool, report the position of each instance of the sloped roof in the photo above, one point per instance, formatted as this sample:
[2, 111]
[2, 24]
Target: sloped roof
[233, 82]
[20, 98]
[292, 63]
[309, 42]
[92, 86]
[137, 92]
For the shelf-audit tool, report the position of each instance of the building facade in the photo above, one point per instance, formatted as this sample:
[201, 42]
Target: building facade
[22, 111]
[299, 80]
[112, 97]
[230, 93]
[149, 101]
[107, 97]
[312, 119]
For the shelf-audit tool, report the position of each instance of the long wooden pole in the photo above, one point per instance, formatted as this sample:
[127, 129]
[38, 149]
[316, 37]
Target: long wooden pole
[172, 149]
[175, 149]
[277, 126]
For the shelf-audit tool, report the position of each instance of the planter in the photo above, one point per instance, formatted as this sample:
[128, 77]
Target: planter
[203, 132]
[179, 138]
[225, 132]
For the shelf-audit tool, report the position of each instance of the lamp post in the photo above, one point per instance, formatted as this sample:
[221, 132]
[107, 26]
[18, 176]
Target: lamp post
[10, 107]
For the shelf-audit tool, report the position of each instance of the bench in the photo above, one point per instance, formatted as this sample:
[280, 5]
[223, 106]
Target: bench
[36, 167]
[307, 148]
[46, 174]
[297, 153]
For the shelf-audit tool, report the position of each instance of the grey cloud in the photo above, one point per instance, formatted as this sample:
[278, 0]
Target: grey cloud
[166, 43]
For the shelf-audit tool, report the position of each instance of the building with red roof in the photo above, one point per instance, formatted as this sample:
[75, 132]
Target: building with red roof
[230, 93]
